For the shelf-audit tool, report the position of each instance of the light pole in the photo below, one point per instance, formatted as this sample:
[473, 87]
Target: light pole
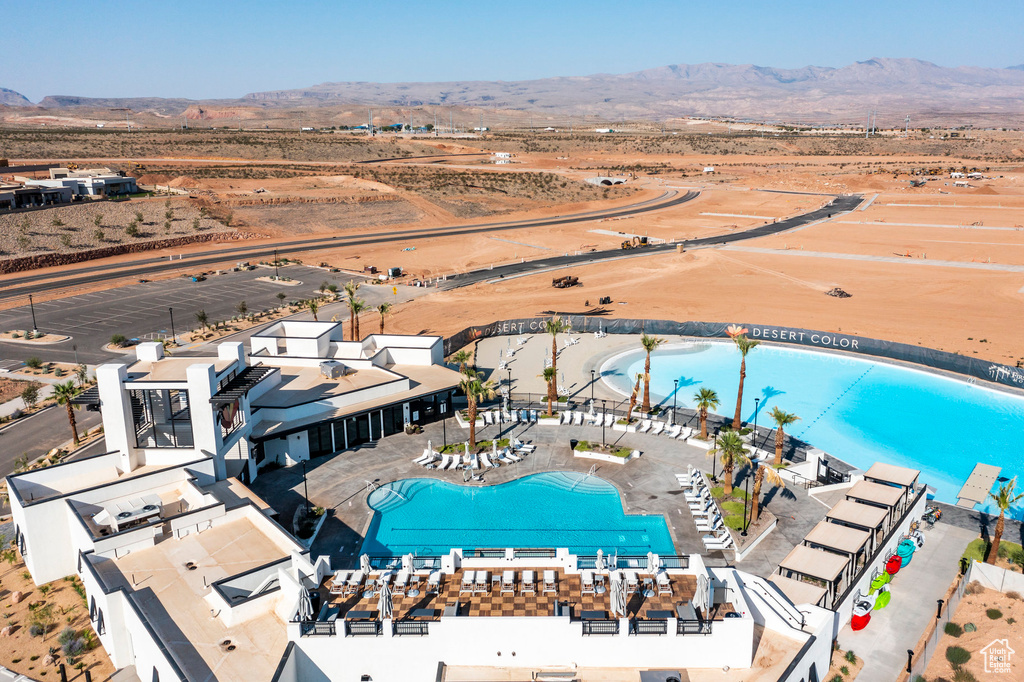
[305, 488]
[713, 459]
[174, 337]
[32, 307]
[74, 347]
[277, 274]
[675, 391]
[753, 438]
[746, 496]
[593, 378]
[604, 418]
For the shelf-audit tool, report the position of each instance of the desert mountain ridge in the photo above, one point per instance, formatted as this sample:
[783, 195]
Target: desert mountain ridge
[897, 87]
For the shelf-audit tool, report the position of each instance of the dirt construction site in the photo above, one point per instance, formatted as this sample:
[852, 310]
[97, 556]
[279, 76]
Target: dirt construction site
[926, 258]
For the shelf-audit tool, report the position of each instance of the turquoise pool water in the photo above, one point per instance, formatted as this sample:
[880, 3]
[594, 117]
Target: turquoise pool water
[429, 517]
[858, 410]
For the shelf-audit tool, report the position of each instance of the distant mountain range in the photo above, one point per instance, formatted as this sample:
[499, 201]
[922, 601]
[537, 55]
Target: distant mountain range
[896, 87]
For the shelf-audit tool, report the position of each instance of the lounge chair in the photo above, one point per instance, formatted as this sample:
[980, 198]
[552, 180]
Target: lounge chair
[550, 583]
[644, 426]
[685, 432]
[401, 582]
[709, 525]
[565, 417]
[474, 461]
[512, 457]
[520, 446]
[488, 464]
[609, 419]
[673, 430]
[424, 458]
[338, 582]
[632, 582]
[385, 578]
[705, 509]
[467, 582]
[587, 583]
[528, 584]
[593, 420]
[354, 582]
[717, 541]
[656, 427]
[533, 416]
[514, 417]
[487, 418]
[434, 582]
[508, 582]
[697, 501]
[482, 582]
[664, 584]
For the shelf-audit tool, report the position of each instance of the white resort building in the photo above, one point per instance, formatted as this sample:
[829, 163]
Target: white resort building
[190, 577]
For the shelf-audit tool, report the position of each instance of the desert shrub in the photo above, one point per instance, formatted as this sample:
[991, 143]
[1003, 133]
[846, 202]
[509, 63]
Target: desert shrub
[957, 655]
[66, 635]
[845, 670]
[994, 614]
[36, 630]
[961, 675]
[953, 630]
[974, 587]
[1013, 594]
[851, 657]
[34, 362]
[118, 340]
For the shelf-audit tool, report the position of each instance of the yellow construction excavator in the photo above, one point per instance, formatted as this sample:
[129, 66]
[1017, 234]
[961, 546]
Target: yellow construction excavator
[635, 243]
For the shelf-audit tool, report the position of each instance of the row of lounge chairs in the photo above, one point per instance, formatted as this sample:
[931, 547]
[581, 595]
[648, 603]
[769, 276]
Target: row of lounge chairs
[431, 459]
[590, 581]
[347, 583]
[706, 514]
[482, 582]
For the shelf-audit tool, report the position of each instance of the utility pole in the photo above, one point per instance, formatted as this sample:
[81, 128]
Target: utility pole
[906, 131]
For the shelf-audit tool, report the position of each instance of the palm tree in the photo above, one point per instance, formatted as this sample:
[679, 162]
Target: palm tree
[649, 343]
[633, 397]
[358, 306]
[242, 308]
[732, 453]
[82, 374]
[462, 357]
[739, 337]
[551, 381]
[384, 309]
[555, 326]
[350, 292]
[782, 420]
[476, 389]
[707, 399]
[64, 394]
[314, 307]
[203, 319]
[1004, 499]
[764, 472]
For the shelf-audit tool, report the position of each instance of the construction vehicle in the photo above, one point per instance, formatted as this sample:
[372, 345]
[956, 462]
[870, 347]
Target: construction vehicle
[565, 282]
[635, 243]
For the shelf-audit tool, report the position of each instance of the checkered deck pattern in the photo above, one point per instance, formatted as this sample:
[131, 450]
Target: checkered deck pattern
[493, 602]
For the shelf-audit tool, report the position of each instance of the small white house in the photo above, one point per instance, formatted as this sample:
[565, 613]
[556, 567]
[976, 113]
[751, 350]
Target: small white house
[709, 169]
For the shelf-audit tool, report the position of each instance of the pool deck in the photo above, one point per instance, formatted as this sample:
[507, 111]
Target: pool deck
[647, 486]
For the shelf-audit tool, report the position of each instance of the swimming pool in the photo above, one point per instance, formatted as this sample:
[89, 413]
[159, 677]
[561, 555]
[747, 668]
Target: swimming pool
[551, 510]
[856, 409]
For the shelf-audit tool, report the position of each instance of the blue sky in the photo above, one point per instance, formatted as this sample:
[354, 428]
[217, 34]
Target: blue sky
[226, 49]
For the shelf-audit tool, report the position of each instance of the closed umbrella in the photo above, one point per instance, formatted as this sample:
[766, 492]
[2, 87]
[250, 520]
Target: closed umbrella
[364, 563]
[305, 607]
[617, 600]
[384, 601]
[653, 563]
[599, 562]
[407, 563]
[430, 447]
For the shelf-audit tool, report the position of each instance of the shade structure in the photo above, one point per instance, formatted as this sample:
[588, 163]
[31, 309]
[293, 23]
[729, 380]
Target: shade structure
[384, 601]
[407, 563]
[653, 563]
[364, 563]
[305, 607]
[798, 591]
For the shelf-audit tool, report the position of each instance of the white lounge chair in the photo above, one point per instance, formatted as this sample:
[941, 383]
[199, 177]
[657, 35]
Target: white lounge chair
[338, 582]
[578, 420]
[520, 446]
[673, 430]
[708, 525]
[644, 425]
[514, 417]
[508, 582]
[565, 417]
[474, 461]
[401, 582]
[487, 418]
[354, 582]
[656, 427]
[716, 541]
[482, 582]
[632, 582]
[664, 583]
[512, 457]
[587, 583]
[550, 583]
[466, 585]
[609, 419]
[528, 584]
[488, 464]
[434, 582]
[533, 416]
[685, 432]
[696, 501]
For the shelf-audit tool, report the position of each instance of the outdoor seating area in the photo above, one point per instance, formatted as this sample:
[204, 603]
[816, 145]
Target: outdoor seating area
[475, 461]
[704, 510]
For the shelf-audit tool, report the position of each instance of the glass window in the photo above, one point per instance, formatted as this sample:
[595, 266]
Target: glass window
[339, 435]
[162, 418]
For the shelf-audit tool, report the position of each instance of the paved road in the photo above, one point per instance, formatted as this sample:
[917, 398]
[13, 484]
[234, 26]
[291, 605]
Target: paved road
[841, 204]
[141, 310]
[37, 435]
[22, 286]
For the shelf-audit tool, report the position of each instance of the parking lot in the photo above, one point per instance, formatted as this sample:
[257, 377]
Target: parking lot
[141, 310]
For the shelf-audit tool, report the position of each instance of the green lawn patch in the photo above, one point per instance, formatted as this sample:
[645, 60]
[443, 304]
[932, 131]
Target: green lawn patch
[622, 452]
[481, 446]
[978, 548]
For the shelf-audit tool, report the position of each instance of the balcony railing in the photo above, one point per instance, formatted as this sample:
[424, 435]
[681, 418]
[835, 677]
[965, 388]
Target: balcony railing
[600, 627]
[649, 627]
[317, 628]
[363, 628]
[411, 628]
[693, 627]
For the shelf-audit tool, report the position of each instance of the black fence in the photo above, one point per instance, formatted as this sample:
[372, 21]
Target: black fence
[600, 627]
[317, 628]
[693, 627]
[363, 628]
[413, 628]
[583, 324]
[648, 627]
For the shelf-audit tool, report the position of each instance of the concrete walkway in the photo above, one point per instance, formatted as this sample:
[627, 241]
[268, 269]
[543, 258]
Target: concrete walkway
[880, 259]
[884, 642]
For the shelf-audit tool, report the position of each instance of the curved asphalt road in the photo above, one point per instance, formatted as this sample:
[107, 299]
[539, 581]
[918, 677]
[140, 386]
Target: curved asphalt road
[840, 204]
[19, 287]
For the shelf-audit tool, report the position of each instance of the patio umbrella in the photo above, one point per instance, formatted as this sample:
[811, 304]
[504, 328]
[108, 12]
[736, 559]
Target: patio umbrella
[653, 563]
[599, 562]
[305, 607]
[364, 563]
[613, 563]
[430, 447]
[617, 596]
[384, 601]
[495, 448]
[407, 563]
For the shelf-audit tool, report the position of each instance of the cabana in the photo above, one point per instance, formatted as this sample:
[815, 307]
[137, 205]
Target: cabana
[860, 516]
[798, 591]
[842, 540]
[898, 477]
[821, 568]
[878, 495]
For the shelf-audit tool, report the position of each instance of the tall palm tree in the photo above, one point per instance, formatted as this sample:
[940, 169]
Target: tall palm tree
[82, 375]
[649, 343]
[64, 393]
[782, 420]
[763, 473]
[552, 383]
[358, 306]
[476, 389]
[732, 453]
[707, 399]
[350, 294]
[314, 307]
[632, 398]
[384, 309]
[203, 319]
[1004, 499]
[555, 326]
[462, 357]
[745, 345]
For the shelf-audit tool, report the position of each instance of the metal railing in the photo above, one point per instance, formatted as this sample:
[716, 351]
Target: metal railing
[534, 553]
[600, 627]
[488, 553]
[649, 627]
[693, 627]
[363, 628]
[413, 628]
[317, 628]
